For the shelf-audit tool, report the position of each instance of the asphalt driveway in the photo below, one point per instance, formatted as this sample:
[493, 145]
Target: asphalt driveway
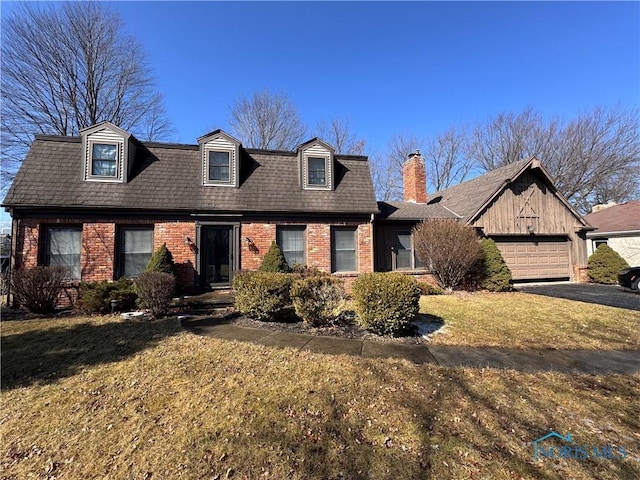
[611, 295]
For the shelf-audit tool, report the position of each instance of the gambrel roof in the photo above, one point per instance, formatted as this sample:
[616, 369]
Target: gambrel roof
[165, 177]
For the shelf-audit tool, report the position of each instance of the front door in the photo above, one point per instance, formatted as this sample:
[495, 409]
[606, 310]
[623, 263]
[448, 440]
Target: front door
[217, 256]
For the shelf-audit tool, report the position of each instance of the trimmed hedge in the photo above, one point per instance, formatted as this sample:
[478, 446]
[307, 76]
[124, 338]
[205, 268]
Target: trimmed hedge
[155, 291]
[429, 289]
[494, 272]
[318, 299]
[274, 260]
[262, 295]
[604, 265]
[96, 297]
[386, 303]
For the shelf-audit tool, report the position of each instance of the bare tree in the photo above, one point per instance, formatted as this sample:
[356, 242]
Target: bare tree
[338, 132]
[66, 67]
[593, 158]
[388, 182]
[446, 158]
[450, 248]
[267, 120]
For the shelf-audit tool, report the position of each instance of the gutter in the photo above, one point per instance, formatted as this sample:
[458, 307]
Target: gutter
[609, 234]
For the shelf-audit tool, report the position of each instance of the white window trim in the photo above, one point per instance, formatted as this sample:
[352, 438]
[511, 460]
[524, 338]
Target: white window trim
[101, 178]
[232, 167]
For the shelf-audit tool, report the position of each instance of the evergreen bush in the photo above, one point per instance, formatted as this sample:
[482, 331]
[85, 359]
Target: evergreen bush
[386, 303]
[494, 272]
[604, 265]
[262, 295]
[96, 297]
[274, 260]
[318, 299]
[161, 261]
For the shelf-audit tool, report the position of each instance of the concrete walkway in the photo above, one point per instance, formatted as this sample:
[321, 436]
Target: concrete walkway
[566, 361]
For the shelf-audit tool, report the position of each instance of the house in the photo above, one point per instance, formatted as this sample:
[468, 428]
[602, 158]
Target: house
[617, 226]
[538, 233]
[102, 202]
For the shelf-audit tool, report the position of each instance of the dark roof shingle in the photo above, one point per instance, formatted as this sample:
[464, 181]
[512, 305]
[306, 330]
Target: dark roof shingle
[618, 218]
[167, 177]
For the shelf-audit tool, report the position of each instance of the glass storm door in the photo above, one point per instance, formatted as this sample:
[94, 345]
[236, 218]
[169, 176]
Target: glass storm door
[217, 256]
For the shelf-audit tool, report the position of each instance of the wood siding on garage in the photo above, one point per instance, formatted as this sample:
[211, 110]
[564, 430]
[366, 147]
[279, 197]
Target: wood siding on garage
[556, 245]
[536, 258]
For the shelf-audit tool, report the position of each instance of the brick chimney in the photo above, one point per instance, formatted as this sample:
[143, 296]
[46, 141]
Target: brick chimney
[414, 179]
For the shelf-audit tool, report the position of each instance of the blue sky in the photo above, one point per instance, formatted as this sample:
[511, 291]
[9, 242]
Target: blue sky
[410, 67]
[416, 67]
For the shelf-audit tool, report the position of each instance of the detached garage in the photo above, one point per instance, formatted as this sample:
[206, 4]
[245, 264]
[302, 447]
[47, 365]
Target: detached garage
[536, 258]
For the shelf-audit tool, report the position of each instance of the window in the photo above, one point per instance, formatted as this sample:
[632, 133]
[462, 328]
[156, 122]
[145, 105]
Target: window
[598, 242]
[104, 160]
[343, 249]
[317, 171]
[291, 242]
[405, 257]
[219, 166]
[135, 247]
[62, 247]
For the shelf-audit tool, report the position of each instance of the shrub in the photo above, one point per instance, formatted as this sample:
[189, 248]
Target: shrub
[262, 295]
[37, 288]
[96, 297]
[429, 289]
[449, 247]
[274, 260]
[494, 272]
[161, 261]
[318, 299]
[303, 271]
[604, 265]
[155, 291]
[386, 303]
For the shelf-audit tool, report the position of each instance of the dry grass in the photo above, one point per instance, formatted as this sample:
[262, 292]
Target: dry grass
[101, 398]
[521, 320]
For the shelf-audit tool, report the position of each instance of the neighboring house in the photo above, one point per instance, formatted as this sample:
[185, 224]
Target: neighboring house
[538, 233]
[102, 202]
[617, 226]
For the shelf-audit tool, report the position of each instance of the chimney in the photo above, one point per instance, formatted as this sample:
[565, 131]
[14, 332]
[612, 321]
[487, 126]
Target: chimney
[414, 179]
[597, 208]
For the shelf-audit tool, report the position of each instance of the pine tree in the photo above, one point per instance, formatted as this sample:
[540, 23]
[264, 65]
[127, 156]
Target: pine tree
[161, 261]
[496, 276]
[604, 265]
[274, 260]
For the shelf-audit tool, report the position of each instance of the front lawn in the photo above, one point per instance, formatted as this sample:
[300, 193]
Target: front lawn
[103, 398]
[521, 320]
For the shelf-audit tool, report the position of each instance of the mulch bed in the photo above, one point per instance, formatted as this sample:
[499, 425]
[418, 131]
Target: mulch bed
[344, 327]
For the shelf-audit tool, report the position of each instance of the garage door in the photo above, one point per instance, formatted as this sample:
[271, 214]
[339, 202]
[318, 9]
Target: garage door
[535, 258]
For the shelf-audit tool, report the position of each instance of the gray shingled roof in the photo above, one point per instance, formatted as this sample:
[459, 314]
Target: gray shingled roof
[460, 201]
[412, 211]
[167, 177]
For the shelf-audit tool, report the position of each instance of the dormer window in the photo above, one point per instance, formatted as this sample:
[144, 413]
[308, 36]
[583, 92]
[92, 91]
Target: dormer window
[316, 162]
[104, 160]
[109, 153]
[317, 169]
[219, 166]
[220, 155]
